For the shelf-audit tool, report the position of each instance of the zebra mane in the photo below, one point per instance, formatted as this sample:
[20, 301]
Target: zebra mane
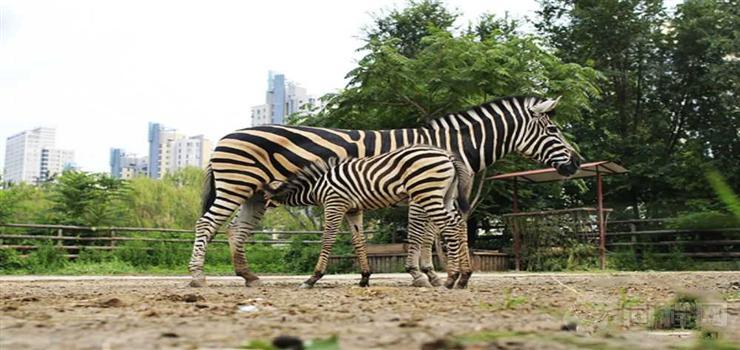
[447, 115]
[300, 180]
[315, 170]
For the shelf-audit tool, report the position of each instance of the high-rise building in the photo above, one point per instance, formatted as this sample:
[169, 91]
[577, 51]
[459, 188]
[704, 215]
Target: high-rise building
[31, 156]
[282, 99]
[192, 151]
[127, 165]
[160, 141]
[54, 161]
[170, 150]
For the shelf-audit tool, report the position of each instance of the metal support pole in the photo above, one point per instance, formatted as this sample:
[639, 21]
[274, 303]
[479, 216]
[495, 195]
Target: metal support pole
[515, 228]
[602, 228]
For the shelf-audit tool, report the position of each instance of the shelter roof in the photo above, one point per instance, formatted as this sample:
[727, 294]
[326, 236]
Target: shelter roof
[603, 167]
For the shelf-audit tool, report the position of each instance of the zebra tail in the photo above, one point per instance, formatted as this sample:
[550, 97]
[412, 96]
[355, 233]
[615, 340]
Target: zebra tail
[464, 186]
[209, 190]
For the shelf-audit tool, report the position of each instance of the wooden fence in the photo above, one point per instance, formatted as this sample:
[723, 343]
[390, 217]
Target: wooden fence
[641, 236]
[26, 237]
[656, 236]
[72, 239]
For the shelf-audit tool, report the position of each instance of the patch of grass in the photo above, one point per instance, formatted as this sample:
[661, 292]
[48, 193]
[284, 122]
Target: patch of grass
[44, 259]
[509, 302]
[709, 343]
[10, 260]
[487, 336]
[512, 301]
[733, 295]
[627, 301]
[111, 267]
[682, 313]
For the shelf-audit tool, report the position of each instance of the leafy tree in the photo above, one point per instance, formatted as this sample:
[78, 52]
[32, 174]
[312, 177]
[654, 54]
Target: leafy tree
[85, 199]
[23, 204]
[172, 202]
[705, 83]
[662, 114]
[415, 69]
[408, 27]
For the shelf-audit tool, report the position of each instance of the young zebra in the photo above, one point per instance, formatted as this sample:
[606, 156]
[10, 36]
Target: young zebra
[429, 177]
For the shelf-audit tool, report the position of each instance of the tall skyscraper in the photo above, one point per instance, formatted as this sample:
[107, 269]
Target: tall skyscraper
[170, 150]
[282, 99]
[31, 156]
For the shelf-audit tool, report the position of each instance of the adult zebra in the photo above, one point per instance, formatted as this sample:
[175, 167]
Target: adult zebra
[248, 159]
[424, 176]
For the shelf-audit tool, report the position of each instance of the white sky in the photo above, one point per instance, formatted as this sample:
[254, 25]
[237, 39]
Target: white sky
[99, 71]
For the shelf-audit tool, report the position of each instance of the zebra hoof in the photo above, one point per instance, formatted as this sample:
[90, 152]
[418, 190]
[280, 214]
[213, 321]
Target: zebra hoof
[197, 283]
[253, 283]
[421, 282]
[305, 285]
[461, 285]
[435, 281]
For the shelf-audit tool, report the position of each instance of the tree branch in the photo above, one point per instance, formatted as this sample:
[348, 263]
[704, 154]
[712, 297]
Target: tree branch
[421, 109]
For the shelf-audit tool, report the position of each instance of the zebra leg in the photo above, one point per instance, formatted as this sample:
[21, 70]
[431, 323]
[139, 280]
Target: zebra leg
[238, 231]
[333, 216]
[464, 256]
[354, 221]
[205, 229]
[450, 233]
[417, 221]
[427, 262]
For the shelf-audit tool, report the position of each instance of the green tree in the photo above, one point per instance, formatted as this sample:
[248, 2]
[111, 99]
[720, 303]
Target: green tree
[172, 202]
[397, 85]
[85, 199]
[663, 114]
[407, 28]
[24, 204]
[704, 84]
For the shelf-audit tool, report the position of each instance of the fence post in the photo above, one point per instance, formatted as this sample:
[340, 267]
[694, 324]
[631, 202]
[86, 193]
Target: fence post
[515, 228]
[60, 233]
[635, 247]
[602, 228]
[112, 235]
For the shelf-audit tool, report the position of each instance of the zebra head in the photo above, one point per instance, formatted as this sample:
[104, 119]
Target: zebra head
[544, 142]
[300, 188]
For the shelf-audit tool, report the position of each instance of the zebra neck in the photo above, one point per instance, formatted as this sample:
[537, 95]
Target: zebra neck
[480, 136]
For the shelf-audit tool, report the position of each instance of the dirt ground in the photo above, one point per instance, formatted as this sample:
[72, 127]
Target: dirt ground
[498, 311]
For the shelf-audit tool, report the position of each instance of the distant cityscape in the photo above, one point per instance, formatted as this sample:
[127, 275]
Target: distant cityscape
[31, 156]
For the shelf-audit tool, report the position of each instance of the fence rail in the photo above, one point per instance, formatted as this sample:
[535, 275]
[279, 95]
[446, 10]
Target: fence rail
[641, 235]
[72, 239]
[653, 236]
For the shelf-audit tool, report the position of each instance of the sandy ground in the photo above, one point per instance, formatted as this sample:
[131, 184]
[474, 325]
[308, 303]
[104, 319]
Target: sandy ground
[160, 312]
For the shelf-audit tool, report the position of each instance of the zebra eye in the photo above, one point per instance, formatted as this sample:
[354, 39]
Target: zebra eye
[552, 129]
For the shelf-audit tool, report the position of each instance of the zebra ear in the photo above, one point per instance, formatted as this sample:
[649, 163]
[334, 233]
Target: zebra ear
[545, 106]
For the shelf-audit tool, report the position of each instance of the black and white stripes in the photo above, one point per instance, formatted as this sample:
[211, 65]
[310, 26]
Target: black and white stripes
[248, 159]
[427, 177]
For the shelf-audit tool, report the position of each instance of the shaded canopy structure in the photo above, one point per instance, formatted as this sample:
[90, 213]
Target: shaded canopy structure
[594, 169]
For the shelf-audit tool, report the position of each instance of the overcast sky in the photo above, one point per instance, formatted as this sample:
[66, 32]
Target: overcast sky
[99, 71]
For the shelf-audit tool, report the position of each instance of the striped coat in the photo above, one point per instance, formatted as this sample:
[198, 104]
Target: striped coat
[425, 176]
[246, 160]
